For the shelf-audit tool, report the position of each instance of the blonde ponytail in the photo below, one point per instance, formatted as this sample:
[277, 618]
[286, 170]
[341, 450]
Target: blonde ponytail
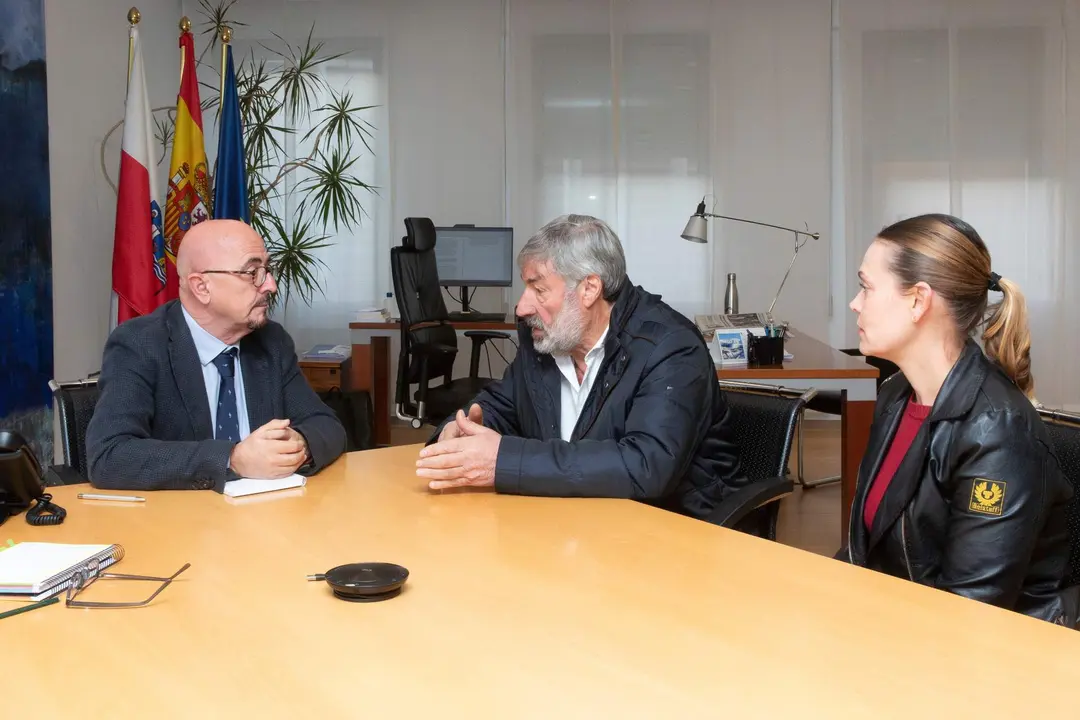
[1007, 338]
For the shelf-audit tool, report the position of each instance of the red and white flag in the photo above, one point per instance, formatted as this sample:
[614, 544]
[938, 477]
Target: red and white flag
[139, 267]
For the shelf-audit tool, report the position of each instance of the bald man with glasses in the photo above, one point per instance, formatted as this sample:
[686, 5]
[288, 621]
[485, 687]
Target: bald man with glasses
[207, 388]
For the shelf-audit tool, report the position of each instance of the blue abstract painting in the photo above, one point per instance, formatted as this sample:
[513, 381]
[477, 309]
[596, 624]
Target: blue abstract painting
[26, 326]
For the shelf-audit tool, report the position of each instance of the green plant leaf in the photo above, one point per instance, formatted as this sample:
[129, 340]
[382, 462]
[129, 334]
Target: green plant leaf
[300, 81]
[339, 122]
[216, 17]
[295, 194]
[164, 131]
[333, 190]
[211, 99]
[292, 254]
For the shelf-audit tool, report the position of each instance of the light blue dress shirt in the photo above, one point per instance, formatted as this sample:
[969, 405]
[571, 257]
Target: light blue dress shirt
[209, 347]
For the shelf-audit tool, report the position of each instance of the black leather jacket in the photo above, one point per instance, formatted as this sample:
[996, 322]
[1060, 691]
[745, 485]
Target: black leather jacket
[977, 506]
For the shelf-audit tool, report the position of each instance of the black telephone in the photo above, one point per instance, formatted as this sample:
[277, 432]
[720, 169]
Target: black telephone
[21, 484]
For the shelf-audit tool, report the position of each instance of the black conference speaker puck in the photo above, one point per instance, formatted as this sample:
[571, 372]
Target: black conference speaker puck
[365, 582]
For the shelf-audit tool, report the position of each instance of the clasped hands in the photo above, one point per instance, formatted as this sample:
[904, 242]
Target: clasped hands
[464, 454]
[273, 451]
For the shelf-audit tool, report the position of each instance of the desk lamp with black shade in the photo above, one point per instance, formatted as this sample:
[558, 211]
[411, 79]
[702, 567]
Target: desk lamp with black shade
[697, 231]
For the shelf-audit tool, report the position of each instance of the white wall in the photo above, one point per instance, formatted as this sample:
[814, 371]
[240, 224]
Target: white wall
[773, 156]
[86, 58]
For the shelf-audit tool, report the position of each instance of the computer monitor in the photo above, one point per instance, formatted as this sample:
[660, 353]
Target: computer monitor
[467, 256]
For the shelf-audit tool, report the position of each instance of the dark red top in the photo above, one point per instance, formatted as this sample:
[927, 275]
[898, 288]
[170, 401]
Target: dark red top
[914, 415]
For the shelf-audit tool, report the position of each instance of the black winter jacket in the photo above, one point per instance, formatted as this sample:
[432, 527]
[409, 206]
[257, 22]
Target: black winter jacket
[654, 427]
[977, 506]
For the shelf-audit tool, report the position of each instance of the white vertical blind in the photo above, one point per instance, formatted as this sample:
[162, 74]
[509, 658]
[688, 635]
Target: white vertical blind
[349, 274]
[960, 107]
[634, 110]
[665, 141]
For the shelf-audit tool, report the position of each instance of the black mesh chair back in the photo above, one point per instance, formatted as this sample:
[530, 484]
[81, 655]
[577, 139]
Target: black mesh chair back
[1064, 429]
[764, 419]
[75, 401]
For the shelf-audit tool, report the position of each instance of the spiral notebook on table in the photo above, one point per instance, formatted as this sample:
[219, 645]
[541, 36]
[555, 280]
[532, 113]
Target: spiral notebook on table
[38, 570]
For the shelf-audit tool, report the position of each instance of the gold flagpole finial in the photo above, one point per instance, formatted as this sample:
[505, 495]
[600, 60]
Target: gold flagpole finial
[226, 38]
[185, 26]
[134, 16]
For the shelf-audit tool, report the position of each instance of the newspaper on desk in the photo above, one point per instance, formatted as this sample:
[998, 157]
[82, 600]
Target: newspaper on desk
[754, 322]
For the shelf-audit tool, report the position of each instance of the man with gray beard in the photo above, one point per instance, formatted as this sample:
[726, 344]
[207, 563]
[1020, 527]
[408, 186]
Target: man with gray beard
[612, 393]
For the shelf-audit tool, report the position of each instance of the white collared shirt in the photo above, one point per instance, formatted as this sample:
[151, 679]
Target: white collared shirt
[209, 347]
[574, 394]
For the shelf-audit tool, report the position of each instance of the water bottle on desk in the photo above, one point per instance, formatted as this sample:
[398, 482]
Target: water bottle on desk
[389, 306]
[731, 296]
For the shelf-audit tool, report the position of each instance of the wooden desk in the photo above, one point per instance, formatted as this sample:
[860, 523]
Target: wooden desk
[515, 607]
[371, 365]
[324, 375]
[815, 364]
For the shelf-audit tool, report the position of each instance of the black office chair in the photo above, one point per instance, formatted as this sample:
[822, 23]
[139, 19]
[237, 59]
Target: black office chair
[885, 368]
[75, 401]
[1064, 428]
[832, 402]
[764, 419]
[428, 340]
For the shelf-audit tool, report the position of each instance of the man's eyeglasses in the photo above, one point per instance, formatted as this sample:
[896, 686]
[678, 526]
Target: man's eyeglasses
[257, 275]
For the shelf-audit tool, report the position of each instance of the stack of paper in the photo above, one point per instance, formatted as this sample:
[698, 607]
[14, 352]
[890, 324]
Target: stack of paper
[253, 486]
[328, 352]
[372, 314]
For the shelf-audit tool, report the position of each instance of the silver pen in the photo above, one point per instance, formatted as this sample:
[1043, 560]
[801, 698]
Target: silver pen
[122, 498]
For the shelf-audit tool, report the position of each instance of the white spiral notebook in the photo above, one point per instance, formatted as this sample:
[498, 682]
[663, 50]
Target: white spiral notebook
[38, 570]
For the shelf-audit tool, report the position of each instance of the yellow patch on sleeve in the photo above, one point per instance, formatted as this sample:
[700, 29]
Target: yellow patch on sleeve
[987, 496]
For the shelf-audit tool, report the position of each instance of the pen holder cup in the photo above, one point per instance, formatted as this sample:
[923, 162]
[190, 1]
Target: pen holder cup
[766, 351]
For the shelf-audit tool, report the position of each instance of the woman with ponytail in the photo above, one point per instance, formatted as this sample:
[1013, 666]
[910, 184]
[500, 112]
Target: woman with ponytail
[959, 488]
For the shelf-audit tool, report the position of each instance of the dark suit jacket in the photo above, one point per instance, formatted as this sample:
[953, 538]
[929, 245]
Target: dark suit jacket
[151, 426]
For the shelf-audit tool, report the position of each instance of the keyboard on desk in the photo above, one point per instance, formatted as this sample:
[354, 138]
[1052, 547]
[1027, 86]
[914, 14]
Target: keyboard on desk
[477, 317]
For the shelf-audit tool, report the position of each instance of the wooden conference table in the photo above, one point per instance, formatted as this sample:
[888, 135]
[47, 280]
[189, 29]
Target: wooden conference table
[814, 364]
[516, 607]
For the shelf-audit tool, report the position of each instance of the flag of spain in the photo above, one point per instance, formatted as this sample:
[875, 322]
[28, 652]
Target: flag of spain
[186, 201]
